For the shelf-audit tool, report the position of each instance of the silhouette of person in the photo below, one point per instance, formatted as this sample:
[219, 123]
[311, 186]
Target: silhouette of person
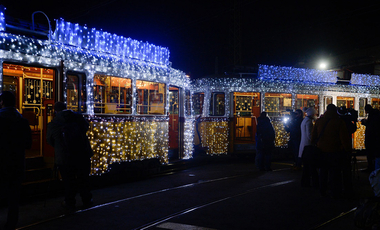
[15, 137]
[265, 137]
[372, 137]
[73, 163]
[334, 144]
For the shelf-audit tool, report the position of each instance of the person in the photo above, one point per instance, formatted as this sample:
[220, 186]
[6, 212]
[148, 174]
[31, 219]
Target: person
[15, 137]
[293, 127]
[372, 137]
[334, 143]
[350, 118]
[265, 137]
[72, 161]
[309, 172]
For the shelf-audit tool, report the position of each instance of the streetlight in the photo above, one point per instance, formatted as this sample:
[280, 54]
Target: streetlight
[322, 65]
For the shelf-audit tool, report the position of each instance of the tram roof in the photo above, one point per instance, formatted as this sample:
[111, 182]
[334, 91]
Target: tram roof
[72, 34]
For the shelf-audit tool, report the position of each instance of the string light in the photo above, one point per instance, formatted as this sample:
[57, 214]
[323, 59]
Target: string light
[130, 138]
[274, 79]
[113, 139]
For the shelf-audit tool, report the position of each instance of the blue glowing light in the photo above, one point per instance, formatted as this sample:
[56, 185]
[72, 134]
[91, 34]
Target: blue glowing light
[296, 74]
[92, 39]
[2, 18]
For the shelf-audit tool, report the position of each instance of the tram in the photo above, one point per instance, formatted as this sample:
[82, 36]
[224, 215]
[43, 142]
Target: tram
[136, 103]
[228, 107]
[140, 108]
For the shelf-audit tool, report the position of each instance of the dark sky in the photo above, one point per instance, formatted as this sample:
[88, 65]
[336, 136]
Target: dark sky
[198, 33]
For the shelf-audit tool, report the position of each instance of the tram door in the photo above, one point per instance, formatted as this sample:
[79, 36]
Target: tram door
[33, 88]
[246, 112]
[174, 125]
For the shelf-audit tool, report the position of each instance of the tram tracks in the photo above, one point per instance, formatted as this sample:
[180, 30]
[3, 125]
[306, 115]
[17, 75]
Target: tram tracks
[200, 182]
[191, 209]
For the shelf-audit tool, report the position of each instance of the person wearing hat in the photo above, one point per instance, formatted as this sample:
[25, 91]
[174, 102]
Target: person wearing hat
[309, 173]
[15, 137]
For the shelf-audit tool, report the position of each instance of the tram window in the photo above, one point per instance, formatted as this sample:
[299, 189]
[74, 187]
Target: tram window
[375, 102]
[10, 83]
[150, 97]
[306, 100]
[112, 94]
[277, 104]
[187, 103]
[198, 100]
[76, 92]
[247, 104]
[348, 102]
[327, 101]
[173, 100]
[217, 104]
[362, 103]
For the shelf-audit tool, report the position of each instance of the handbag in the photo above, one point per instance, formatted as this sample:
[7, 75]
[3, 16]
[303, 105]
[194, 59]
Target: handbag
[311, 154]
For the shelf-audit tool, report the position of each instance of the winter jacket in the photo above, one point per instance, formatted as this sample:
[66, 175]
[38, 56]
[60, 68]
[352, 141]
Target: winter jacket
[15, 137]
[294, 129]
[372, 134]
[265, 134]
[335, 137]
[54, 137]
[306, 129]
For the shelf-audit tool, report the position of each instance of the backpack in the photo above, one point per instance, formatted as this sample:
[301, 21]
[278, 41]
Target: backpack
[74, 139]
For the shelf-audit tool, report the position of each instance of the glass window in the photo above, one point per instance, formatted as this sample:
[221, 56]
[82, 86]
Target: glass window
[112, 94]
[173, 100]
[277, 104]
[217, 104]
[327, 100]
[10, 83]
[348, 102]
[150, 97]
[198, 100]
[375, 102]
[76, 92]
[247, 104]
[306, 100]
[362, 103]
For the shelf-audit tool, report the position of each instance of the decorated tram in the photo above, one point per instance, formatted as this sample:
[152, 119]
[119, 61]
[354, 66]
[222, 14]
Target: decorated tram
[136, 103]
[140, 108]
[228, 107]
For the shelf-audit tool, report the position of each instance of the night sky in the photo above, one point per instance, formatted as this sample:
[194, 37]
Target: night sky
[200, 34]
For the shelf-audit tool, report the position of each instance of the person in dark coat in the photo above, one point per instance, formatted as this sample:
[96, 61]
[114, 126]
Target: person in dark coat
[372, 137]
[293, 127]
[15, 137]
[350, 120]
[265, 137]
[334, 144]
[73, 164]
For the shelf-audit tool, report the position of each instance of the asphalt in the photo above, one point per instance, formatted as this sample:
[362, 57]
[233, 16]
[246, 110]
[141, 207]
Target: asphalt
[46, 206]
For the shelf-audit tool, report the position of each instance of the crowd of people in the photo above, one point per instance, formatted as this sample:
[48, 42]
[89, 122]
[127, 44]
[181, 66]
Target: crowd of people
[322, 146]
[66, 133]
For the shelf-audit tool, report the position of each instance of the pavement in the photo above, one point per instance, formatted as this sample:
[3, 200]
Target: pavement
[46, 207]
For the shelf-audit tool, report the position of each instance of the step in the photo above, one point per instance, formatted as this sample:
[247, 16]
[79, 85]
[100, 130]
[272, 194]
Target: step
[34, 162]
[38, 174]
